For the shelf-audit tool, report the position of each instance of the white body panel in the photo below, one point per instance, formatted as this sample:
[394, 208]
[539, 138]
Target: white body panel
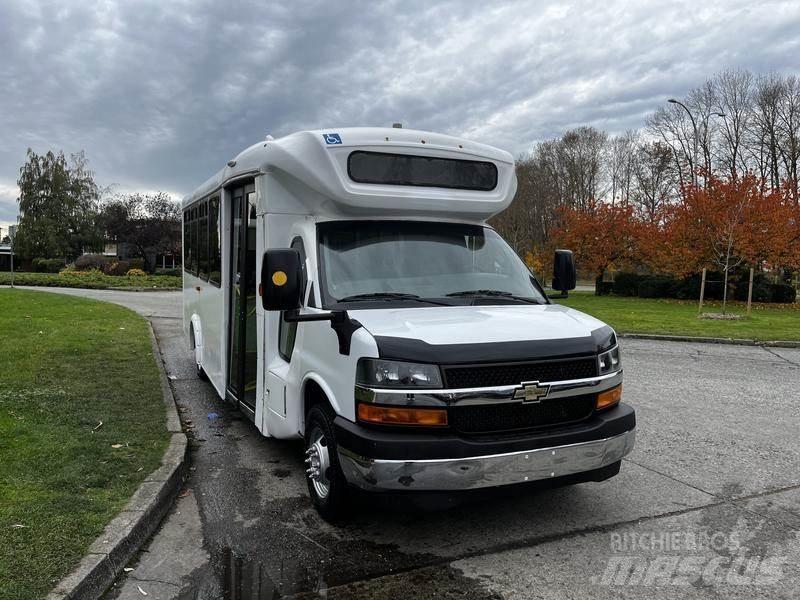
[440, 325]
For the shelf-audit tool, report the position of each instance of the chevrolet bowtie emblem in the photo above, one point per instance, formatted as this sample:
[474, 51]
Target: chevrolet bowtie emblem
[531, 391]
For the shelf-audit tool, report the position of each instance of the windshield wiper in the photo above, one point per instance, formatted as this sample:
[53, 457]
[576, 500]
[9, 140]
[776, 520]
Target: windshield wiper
[492, 294]
[388, 296]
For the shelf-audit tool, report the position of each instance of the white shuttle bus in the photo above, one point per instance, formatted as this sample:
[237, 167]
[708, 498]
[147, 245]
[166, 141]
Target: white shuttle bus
[343, 286]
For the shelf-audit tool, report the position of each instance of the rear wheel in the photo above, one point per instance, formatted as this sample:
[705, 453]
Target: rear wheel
[326, 483]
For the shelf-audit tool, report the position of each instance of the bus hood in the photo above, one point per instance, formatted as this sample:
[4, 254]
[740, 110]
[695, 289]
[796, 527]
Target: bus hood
[482, 333]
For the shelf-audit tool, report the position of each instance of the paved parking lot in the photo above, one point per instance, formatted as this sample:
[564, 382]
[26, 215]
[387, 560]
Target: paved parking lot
[707, 505]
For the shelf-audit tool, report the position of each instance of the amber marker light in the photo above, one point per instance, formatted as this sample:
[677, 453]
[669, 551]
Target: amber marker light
[609, 398]
[394, 415]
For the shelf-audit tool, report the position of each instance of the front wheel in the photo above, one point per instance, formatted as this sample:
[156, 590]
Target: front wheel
[326, 483]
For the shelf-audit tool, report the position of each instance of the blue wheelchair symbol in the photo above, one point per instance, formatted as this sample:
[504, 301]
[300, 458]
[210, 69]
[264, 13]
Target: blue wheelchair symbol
[332, 138]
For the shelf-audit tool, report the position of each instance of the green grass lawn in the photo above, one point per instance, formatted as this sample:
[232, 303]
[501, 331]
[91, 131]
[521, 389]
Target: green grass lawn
[93, 280]
[679, 317]
[66, 365]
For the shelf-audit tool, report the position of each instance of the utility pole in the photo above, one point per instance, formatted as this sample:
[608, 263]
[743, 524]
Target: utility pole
[11, 256]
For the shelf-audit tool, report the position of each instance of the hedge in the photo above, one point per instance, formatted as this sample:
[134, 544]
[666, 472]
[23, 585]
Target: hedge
[688, 288]
[47, 265]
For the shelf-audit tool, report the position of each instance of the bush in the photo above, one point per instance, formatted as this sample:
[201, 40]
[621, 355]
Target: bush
[688, 288]
[92, 261]
[626, 284]
[170, 272]
[762, 290]
[603, 288]
[136, 263]
[47, 265]
[135, 273]
[658, 287]
[783, 292]
[117, 268]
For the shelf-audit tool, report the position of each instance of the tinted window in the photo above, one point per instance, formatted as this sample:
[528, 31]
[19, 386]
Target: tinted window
[193, 243]
[187, 236]
[402, 169]
[214, 255]
[202, 240]
[430, 260]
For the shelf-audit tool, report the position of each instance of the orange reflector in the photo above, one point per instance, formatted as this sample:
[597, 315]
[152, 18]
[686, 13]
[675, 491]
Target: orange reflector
[609, 398]
[393, 415]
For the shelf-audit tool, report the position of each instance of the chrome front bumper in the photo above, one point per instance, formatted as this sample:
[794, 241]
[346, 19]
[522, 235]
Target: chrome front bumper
[484, 471]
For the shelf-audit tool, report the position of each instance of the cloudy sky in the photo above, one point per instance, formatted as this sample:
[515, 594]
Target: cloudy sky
[161, 94]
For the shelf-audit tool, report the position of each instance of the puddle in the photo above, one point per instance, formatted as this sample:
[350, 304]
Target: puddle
[247, 579]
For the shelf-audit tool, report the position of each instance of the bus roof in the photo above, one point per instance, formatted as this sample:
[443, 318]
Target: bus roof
[319, 159]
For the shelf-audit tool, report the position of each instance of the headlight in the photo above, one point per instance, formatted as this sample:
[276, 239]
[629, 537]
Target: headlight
[375, 372]
[610, 361]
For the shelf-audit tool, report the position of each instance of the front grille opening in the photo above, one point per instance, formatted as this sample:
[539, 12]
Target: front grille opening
[475, 376]
[509, 417]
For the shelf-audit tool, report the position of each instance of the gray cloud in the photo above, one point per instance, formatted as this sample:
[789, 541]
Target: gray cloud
[161, 94]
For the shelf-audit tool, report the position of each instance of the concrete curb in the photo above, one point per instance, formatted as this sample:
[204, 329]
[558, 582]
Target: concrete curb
[711, 340]
[126, 533]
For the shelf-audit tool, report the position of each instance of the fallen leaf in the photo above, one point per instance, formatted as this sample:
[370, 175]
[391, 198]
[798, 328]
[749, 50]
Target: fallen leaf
[184, 493]
[141, 591]
[116, 445]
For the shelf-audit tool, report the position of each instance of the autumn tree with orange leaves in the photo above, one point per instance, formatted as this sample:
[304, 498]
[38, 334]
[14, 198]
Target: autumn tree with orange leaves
[725, 224]
[599, 235]
[728, 223]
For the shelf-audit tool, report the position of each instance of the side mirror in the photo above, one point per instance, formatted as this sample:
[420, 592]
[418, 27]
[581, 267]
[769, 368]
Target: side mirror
[564, 278]
[281, 280]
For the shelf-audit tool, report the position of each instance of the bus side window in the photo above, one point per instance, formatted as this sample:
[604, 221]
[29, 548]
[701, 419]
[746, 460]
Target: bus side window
[202, 241]
[287, 332]
[193, 243]
[214, 256]
[187, 236]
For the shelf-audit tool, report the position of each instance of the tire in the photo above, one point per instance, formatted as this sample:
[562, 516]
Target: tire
[328, 490]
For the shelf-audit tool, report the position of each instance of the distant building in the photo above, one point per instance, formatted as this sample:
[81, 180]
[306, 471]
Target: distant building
[5, 257]
[12, 231]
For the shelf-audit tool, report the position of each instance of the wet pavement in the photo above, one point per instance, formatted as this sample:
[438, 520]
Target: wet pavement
[717, 457]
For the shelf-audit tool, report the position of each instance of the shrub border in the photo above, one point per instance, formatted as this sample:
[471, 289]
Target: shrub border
[126, 533]
[711, 340]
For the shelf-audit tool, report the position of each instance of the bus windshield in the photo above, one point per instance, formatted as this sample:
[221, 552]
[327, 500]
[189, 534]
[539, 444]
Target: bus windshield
[444, 263]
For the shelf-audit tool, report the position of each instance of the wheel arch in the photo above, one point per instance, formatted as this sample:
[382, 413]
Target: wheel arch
[196, 338]
[314, 391]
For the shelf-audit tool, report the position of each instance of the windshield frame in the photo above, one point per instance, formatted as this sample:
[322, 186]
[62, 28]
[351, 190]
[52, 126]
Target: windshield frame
[330, 303]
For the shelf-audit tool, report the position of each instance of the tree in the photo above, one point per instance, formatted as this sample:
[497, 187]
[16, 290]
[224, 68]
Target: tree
[601, 235]
[729, 223]
[654, 182]
[58, 207]
[150, 223]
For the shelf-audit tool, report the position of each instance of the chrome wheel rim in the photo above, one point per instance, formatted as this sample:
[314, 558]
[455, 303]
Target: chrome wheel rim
[317, 463]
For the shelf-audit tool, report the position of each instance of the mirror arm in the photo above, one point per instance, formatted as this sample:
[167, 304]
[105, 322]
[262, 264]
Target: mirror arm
[294, 316]
[341, 323]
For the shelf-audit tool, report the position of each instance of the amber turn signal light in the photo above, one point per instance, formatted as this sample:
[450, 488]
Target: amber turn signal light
[394, 415]
[609, 398]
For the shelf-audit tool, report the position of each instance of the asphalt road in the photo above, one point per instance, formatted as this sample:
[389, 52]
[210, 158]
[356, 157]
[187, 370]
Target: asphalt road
[707, 505]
